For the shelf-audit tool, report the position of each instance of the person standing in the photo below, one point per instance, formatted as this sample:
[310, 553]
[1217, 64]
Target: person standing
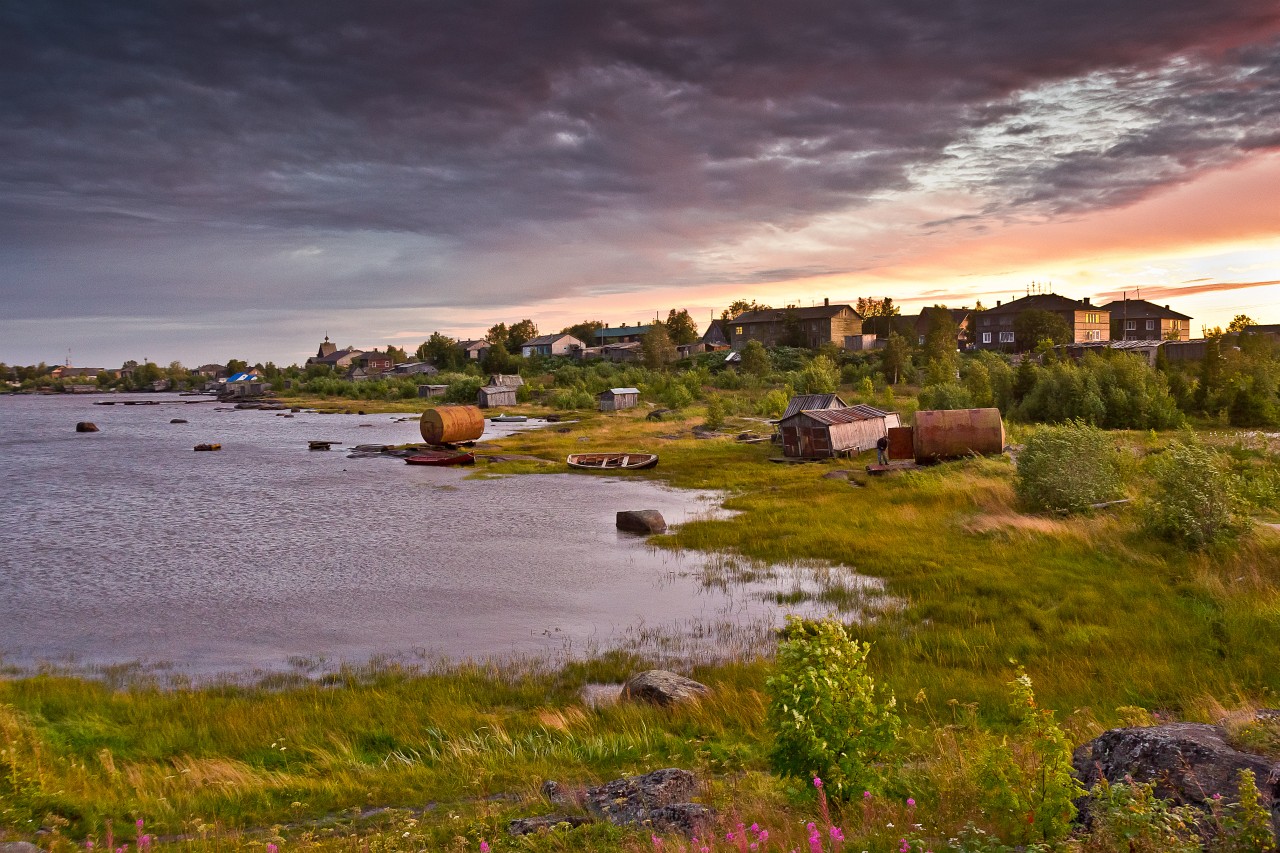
[882, 450]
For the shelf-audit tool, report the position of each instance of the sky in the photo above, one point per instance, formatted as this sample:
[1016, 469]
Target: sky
[198, 180]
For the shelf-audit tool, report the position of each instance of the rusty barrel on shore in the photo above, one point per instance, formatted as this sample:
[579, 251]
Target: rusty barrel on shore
[952, 433]
[451, 424]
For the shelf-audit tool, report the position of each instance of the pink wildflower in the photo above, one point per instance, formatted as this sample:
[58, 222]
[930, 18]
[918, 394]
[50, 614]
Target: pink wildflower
[271, 848]
[836, 834]
[484, 846]
[138, 823]
[657, 844]
[911, 803]
[866, 795]
[817, 783]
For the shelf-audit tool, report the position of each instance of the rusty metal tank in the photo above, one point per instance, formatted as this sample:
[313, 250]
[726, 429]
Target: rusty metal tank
[953, 433]
[451, 424]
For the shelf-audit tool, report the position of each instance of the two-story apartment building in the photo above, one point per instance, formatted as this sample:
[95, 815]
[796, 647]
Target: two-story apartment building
[1140, 320]
[810, 327]
[995, 327]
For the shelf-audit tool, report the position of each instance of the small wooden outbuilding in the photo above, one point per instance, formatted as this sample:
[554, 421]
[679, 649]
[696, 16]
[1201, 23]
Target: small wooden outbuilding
[492, 396]
[616, 399]
[825, 433]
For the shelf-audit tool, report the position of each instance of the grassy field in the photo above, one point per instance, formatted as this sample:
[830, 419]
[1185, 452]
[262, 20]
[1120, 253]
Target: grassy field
[1111, 627]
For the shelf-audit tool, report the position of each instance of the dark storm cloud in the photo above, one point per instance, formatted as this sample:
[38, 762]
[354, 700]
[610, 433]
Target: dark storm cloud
[160, 152]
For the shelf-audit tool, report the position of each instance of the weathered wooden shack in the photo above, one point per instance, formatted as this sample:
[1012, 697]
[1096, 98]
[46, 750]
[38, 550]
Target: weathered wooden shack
[492, 396]
[823, 433]
[616, 399]
[432, 390]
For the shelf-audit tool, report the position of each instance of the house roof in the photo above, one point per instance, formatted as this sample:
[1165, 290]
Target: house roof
[335, 356]
[469, 345]
[617, 391]
[545, 340]
[847, 415]
[775, 315]
[1042, 302]
[621, 331]
[809, 402]
[1141, 309]
[245, 377]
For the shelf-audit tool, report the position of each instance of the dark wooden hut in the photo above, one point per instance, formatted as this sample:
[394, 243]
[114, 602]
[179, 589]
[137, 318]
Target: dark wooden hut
[824, 433]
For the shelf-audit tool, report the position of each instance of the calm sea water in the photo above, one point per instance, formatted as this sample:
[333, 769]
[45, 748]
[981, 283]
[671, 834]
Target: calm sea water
[126, 546]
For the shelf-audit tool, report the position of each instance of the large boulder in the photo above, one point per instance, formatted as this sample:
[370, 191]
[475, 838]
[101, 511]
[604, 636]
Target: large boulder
[19, 847]
[86, 426]
[641, 521]
[1189, 762]
[661, 687]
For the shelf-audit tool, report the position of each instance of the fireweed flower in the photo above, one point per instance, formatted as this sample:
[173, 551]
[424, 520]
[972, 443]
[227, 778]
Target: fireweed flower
[911, 802]
[817, 783]
[866, 795]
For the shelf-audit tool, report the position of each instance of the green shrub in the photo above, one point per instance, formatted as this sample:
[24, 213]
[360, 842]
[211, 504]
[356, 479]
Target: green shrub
[948, 395]
[826, 714]
[1028, 782]
[773, 404]
[715, 412]
[820, 376]
[1129, 818]
[1243, 826]
[1068, 468]
[572, 398]
[463, 390]
[1194, 500]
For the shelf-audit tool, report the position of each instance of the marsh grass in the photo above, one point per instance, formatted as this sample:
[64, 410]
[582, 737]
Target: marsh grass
[1109, 624]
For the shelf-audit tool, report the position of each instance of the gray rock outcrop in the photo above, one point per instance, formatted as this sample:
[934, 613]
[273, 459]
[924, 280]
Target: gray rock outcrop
[658, 801]
[641, 521]
[661, 687]
[1189, 762]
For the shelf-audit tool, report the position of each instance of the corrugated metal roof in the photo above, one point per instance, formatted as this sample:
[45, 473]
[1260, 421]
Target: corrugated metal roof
[848, 415]
[624, 390]
[809, 402]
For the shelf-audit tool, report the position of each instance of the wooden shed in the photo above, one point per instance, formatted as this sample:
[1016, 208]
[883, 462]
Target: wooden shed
[824, 433]
[492, 396]
[616, 399]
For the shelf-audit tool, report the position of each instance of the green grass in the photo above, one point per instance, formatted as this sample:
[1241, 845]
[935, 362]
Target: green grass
[1108, 624]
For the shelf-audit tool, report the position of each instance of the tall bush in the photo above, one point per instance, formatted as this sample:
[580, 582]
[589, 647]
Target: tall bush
[1195, 501]
[1067, 468]
[1028, 780]
[826, 713]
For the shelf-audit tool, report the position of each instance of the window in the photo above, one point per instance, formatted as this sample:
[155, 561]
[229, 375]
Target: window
[1091, 318]
[737, 330]
[1177, 325]
[986, 337]
[1006, 337]
[1092, 335]
[921, 341]
[1151, 324]
[1130, 325]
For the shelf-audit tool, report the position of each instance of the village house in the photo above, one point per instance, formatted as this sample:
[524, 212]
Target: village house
[824, 433]
[1140, 320]
[475, 350]
[716, 336]
[810, 327]
[68, 372]
[211, 371]
[509, 380]
[959, 316]
[995, 326]
[374, 363]
[328, 355]
[616, 399]
[558, 344]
